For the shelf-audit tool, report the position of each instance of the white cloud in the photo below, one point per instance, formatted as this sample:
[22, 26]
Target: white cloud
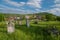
[31, 3]
[6, 9]
[37, 9]
[57, 1]
[10, 10]
[14, 3]
[56, 8]
[22, 3]
[55, 11]
[35, 3]
[3, 6]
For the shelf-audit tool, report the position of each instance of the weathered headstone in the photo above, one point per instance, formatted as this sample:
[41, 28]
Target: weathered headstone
[27, 21]
[20, 21]
[10, 27]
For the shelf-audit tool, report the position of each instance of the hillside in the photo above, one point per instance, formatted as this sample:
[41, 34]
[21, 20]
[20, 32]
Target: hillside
[43, 15]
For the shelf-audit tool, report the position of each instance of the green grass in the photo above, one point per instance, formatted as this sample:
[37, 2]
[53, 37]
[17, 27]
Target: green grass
[24, 33]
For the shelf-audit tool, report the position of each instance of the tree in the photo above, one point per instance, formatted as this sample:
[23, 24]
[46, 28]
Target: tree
[1, 17]
[58, 18]
[50, 17]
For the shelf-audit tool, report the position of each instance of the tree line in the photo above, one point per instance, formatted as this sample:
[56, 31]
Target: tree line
[43, 15]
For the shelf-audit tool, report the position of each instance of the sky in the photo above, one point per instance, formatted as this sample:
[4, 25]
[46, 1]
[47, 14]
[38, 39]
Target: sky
[30, 6]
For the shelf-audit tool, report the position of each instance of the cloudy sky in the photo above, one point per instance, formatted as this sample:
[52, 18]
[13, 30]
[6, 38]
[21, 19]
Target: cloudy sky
[30, 6]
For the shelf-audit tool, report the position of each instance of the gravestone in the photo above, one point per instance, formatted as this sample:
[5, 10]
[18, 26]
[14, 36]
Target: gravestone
[15, 18]
[20, 21]
[10, 27]
[27, 21]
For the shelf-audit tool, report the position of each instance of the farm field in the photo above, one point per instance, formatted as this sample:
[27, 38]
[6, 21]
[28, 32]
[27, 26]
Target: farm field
[34, 32]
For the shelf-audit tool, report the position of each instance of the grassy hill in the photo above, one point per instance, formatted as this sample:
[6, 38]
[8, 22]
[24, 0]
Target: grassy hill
[34, 32]
[40, 31]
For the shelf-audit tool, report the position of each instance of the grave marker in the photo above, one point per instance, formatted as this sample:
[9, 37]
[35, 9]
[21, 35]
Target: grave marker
[18, 18]
[27, 21]
[20, 21]
[10, 26]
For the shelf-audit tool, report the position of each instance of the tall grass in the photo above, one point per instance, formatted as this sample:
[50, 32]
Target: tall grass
[34, 32]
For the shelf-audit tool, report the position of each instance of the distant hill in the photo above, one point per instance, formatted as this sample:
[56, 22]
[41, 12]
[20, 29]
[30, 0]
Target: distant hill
[43, 15]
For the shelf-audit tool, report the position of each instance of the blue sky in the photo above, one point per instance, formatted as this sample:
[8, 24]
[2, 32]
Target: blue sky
[30, 6]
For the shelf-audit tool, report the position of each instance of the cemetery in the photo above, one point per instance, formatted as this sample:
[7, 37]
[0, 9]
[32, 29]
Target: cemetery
[29, 27]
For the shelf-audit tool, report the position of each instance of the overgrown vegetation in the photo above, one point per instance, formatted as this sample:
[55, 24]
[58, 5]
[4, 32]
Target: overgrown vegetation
[44, 16]
[34, 32]
[43, 30]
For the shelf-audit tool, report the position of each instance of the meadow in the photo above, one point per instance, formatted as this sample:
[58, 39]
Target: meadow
[34, 32]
